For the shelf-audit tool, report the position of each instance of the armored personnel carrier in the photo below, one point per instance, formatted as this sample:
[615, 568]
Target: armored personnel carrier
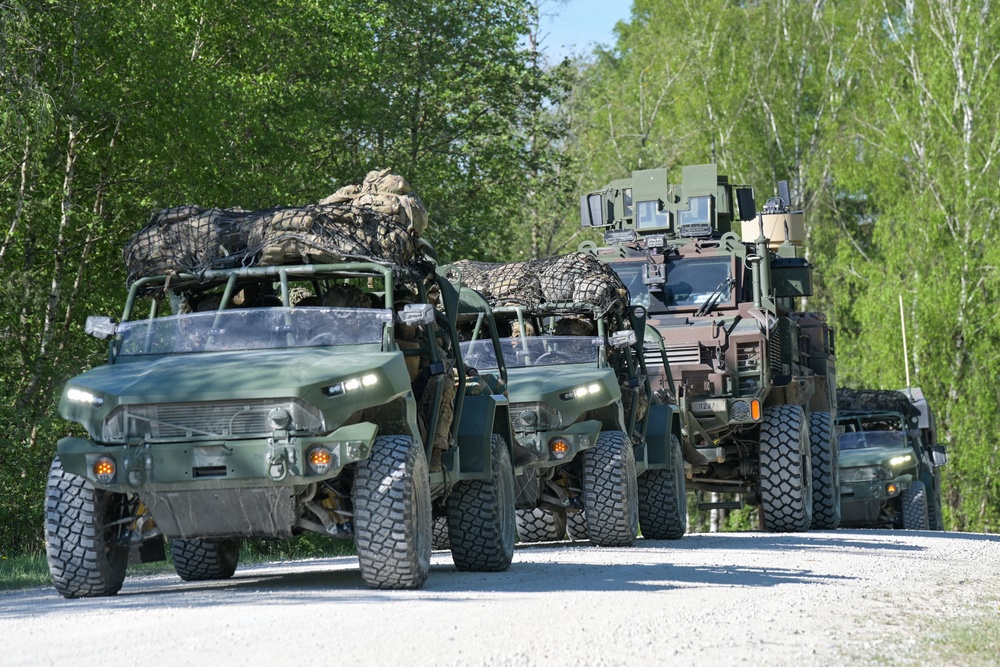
[310, 381]
[754, 377]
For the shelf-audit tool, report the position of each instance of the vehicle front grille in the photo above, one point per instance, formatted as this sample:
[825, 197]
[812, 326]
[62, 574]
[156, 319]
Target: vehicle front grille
[652, 356]
[688, 354]
[748, 358]
[171, 422]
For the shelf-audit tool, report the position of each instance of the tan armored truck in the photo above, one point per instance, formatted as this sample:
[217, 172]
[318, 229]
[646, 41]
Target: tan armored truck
[754, 376]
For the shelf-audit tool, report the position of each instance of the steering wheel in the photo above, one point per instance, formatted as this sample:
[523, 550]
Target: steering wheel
[325, 338]
[549, 357]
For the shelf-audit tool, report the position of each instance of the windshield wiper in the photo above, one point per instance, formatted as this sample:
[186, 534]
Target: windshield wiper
[712, 300]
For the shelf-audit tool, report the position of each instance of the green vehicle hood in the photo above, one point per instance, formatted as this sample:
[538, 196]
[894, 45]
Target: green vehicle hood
[532, 383]
[874, 456]
[546, 384]
[226, 376]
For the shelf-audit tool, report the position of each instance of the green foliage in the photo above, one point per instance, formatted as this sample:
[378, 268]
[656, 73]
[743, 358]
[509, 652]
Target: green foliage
[885, 120]
[113, 110]
[883, 117]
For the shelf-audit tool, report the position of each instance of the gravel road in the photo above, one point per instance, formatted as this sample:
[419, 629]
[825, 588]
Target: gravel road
[823, 598]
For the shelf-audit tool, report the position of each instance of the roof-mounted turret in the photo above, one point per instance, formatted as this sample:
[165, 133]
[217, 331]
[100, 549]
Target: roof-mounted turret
[777, 223]
[701, 206]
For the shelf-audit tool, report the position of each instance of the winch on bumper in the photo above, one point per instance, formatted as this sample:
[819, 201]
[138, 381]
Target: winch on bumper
[282, 459]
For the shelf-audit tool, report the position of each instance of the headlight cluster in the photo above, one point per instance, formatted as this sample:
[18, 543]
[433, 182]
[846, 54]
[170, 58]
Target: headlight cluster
[742, 411]
[350, 385]
[581, 391]
[534, 417]
[900, 460]
[84, 397]
[865, 474]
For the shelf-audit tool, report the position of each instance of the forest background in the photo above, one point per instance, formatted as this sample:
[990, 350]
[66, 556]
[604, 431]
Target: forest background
[884, 117]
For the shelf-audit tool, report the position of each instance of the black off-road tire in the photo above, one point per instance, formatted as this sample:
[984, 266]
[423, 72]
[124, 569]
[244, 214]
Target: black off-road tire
[934, 517]
[663, 498]
[610, 493]
[576, 526]
[205, 560]
[84, 558]
[540, 525]
[914, 506]
[825, 472]
[785, 470]
[441, 539]
[392, 514]
[481, 521]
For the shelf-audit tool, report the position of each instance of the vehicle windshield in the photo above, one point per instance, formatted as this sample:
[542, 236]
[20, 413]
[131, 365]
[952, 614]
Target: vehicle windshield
[533, 351]
[867, 439]
[690, 283]
[252, 329]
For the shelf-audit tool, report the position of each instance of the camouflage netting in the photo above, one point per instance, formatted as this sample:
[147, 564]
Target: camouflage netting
[379, 220]
[874, 400]
[575, 278]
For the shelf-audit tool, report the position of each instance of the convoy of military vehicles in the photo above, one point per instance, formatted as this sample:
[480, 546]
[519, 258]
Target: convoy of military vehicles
[316, 369]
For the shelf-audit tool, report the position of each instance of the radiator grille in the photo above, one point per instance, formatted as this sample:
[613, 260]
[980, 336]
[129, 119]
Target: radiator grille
[201, 420]
[688, 354]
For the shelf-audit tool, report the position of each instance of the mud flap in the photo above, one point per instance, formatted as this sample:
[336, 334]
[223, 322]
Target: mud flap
[149, 551]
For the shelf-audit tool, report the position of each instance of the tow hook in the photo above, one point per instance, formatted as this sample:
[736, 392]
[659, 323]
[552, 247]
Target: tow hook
[138, 466]
[279, 458]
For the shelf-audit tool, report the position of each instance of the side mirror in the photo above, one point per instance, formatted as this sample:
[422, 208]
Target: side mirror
[939, 455]
[414, 314]
[592, 211]
[620, 339]
[100, 327]
[747, 205]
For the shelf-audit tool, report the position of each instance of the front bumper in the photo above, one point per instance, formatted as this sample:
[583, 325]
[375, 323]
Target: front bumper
[217, 464]
[862, 502]
[575, 439]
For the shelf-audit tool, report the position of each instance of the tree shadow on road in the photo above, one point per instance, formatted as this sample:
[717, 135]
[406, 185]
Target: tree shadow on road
[338, 581]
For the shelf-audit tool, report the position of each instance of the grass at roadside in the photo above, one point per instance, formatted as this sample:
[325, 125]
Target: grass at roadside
[968, 641]
[23, 572]
[32, 571]
[970, 638]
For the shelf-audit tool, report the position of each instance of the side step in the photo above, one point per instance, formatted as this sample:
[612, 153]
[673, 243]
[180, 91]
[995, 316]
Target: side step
[726, 505]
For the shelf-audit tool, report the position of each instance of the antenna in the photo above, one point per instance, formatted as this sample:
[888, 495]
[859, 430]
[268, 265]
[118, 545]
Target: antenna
[906, 356]
[783, 193]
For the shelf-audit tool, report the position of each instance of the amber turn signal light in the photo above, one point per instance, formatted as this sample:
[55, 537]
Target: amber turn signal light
[104, 470]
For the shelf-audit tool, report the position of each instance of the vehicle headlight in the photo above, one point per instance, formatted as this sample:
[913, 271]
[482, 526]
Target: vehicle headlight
[84, 397]
[900, 460]
[352, 384]
[742, 411]
[581, 391]
[534, 416]
[866, 474]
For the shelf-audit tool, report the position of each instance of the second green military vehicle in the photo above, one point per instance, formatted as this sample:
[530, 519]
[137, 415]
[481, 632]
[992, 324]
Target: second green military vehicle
[889, 460]
[754, 377]
[600, 453]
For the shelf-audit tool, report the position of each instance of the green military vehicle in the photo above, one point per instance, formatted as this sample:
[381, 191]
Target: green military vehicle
[260, 401]
[754, 377]
[598, 453]
[889, 460]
